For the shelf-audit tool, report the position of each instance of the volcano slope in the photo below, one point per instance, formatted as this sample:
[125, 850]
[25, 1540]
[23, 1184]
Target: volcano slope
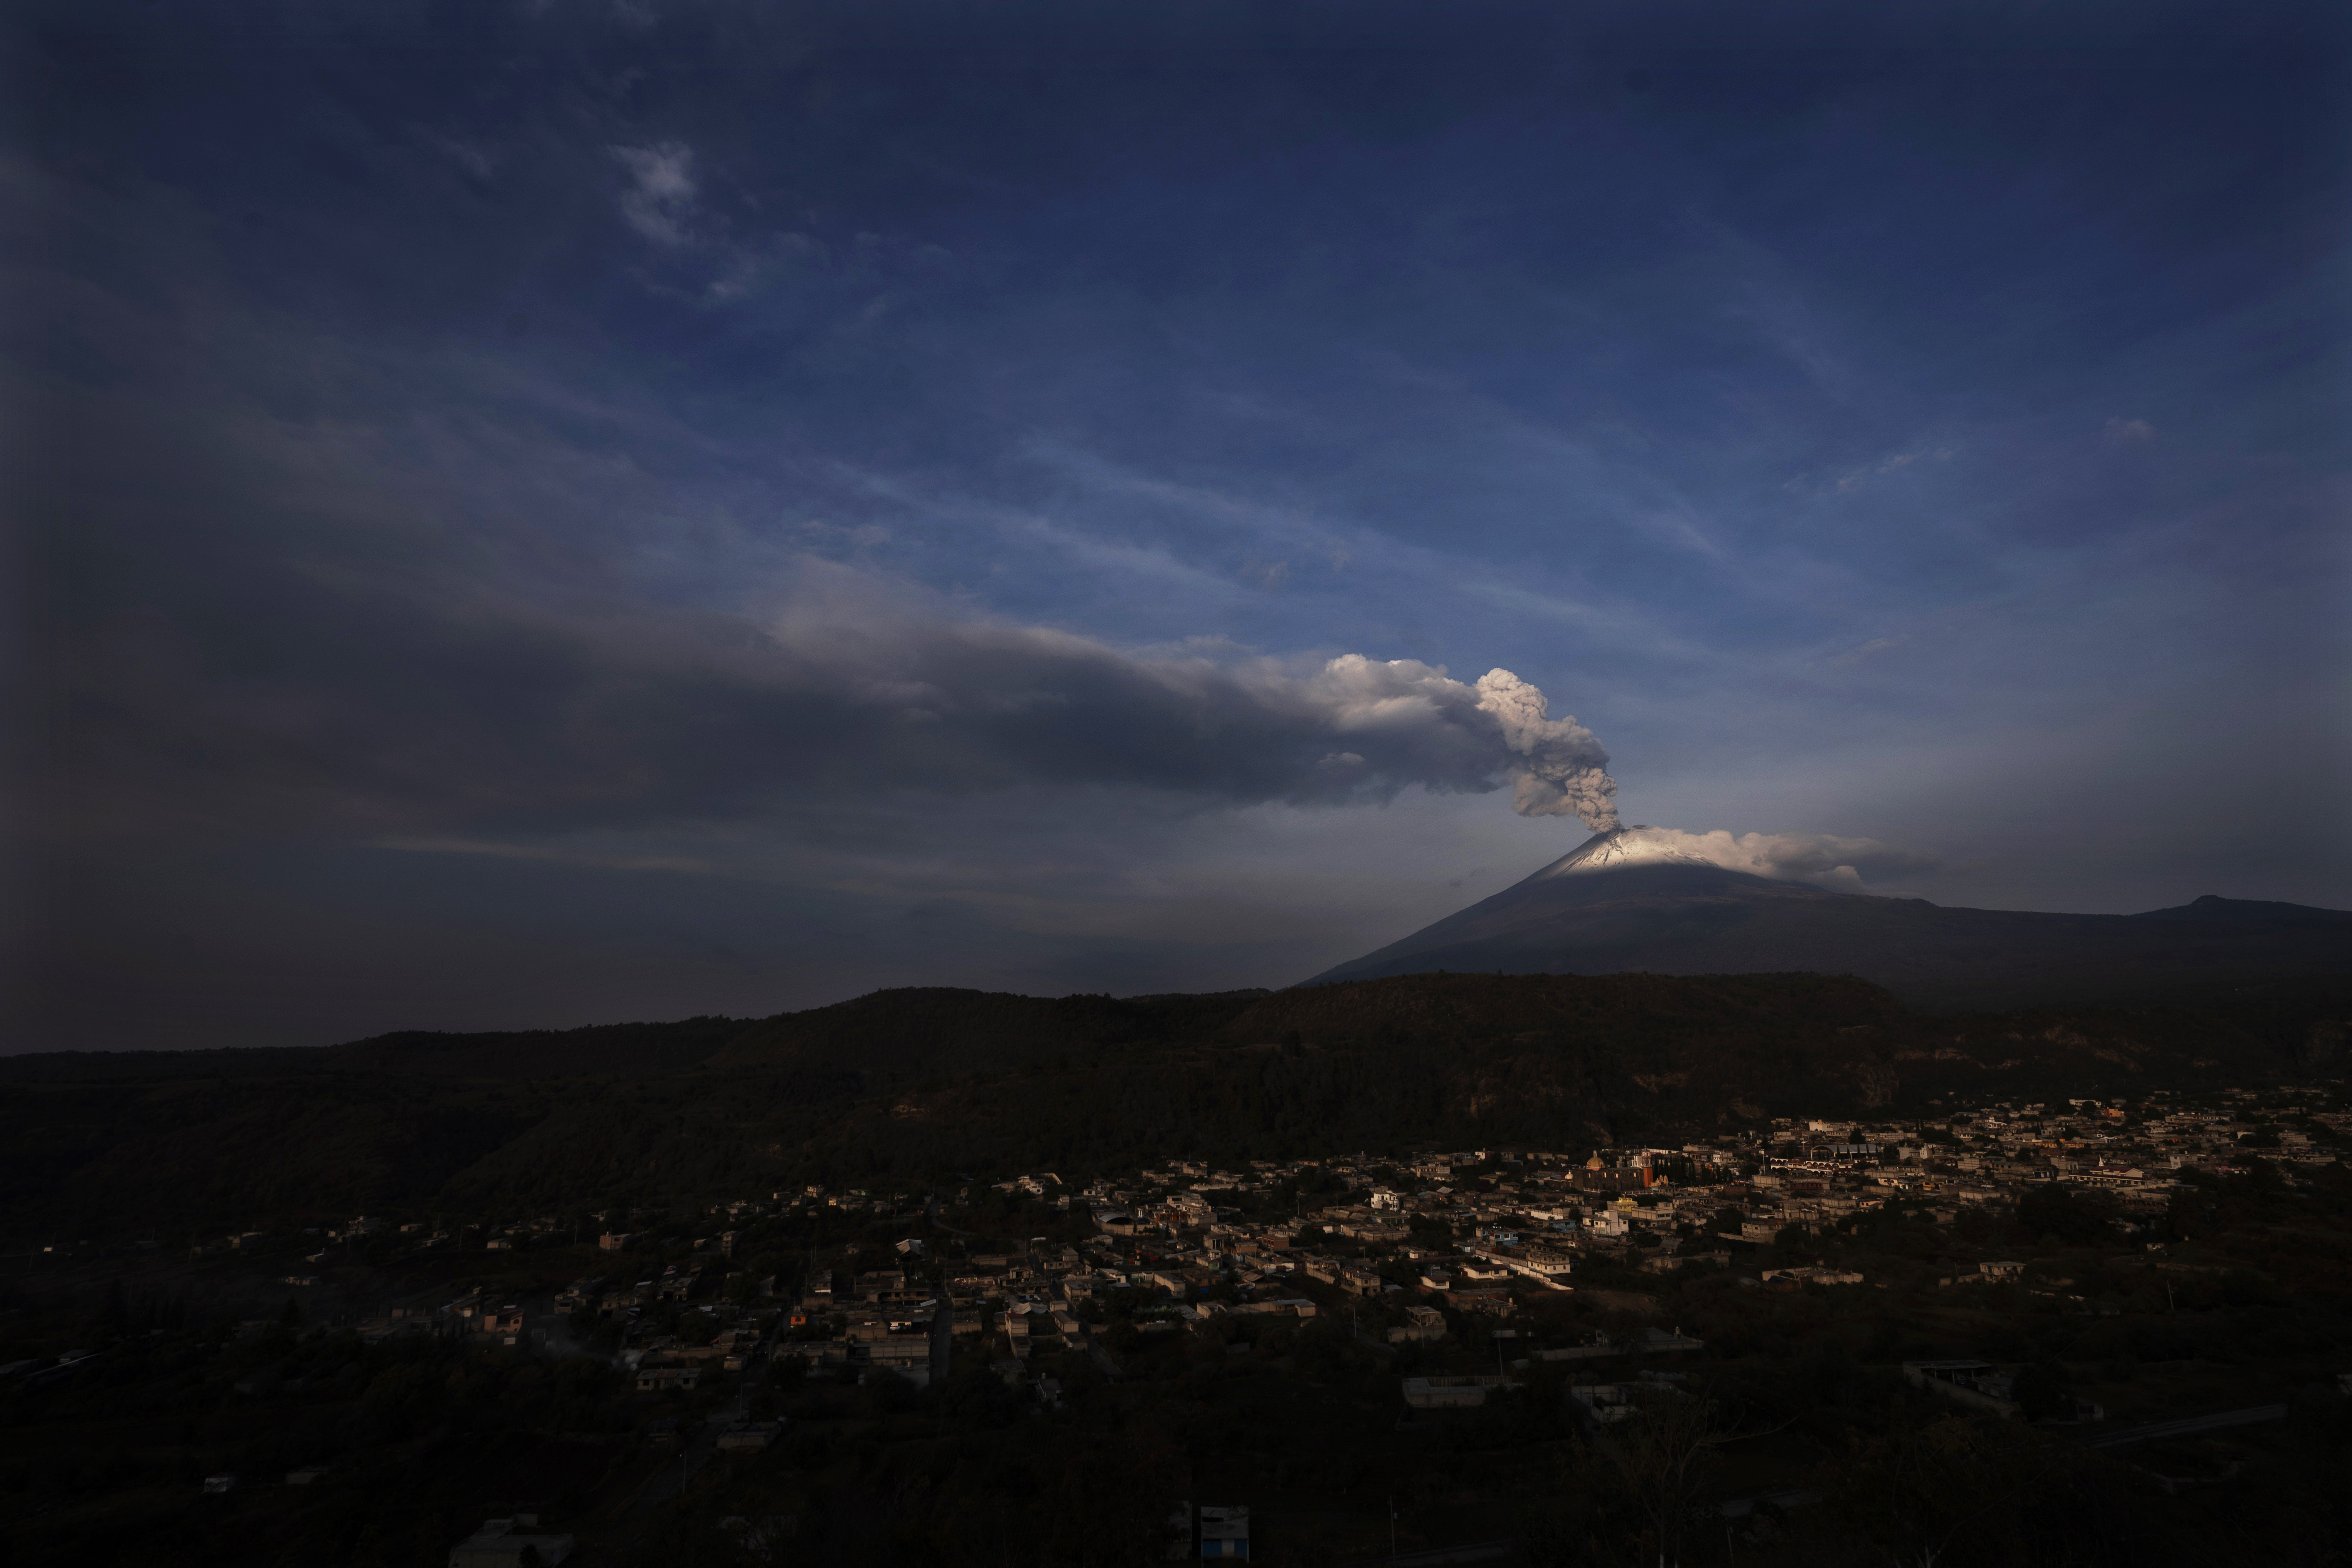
[1585, 914]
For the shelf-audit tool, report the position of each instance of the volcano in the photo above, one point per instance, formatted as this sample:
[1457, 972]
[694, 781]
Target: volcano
[1624, 900]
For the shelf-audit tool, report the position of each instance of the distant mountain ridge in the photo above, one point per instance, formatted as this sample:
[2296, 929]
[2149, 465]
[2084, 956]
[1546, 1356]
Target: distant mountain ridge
[1596, 910]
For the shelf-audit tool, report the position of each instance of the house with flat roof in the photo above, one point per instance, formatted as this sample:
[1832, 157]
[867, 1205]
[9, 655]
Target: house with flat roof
[501, 1543]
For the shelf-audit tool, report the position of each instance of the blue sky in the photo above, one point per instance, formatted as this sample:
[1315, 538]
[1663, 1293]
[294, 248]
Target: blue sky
[540, 513]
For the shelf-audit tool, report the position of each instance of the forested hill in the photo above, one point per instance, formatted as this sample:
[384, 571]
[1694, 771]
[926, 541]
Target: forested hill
[936, 1030]
[1631, 1009]
[920, 1085]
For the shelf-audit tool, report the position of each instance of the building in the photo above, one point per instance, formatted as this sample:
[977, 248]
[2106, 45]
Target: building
[1225, 1532]
[1794, 1278]
[908, 1355]
[1609, 1403]
[1977, 1384]
[1451, 1392]
[749, 1436]
[500, 1544]
[1423, 1323]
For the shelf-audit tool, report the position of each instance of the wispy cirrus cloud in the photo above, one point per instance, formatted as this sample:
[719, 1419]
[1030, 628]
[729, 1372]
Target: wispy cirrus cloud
[1861, 651]
[660, 201]
[1894, 462]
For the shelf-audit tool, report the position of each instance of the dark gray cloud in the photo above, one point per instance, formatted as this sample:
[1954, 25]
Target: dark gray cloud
[419, 710]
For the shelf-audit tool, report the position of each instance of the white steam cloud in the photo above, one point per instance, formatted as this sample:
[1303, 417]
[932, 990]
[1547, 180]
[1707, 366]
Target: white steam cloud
[1819, 857]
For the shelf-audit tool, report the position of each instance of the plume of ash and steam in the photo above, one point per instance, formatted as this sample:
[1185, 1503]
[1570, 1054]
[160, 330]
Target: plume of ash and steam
[631, 720]
[1021, 700]
[1566, 772]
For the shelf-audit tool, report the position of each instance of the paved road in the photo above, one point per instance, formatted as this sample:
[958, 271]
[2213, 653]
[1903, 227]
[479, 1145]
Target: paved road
[2159, 1430]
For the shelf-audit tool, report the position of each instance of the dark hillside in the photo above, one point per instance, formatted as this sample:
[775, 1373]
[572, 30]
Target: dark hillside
[941, 1030]
[2262, 912]
[1654, 1005]
[1449, 1060]
[634, 1049]
[918, 1084]
[146, 1158]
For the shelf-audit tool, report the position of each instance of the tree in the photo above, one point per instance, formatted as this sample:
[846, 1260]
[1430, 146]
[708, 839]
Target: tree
[2051, 1209]
[1916, 1494]
[975, 1398]
[1662, 1459]
[2041, 1392]
[888, 1393]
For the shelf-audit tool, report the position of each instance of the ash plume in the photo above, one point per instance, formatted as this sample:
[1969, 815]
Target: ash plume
[1566, 772]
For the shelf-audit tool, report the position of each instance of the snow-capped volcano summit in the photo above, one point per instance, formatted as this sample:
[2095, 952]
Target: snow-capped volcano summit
[1640, 845]
[1823, 859]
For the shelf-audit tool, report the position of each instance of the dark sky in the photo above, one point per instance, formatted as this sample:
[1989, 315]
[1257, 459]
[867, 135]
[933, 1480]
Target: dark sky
[528, 514]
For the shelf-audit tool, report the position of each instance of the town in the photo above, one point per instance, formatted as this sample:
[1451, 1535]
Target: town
[2080, 1271]
[1482, 1232]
